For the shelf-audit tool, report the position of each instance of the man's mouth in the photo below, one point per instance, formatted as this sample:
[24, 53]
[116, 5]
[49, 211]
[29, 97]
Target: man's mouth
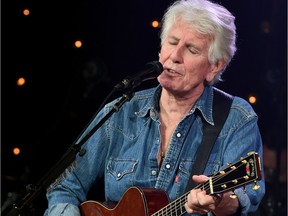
[171, 71]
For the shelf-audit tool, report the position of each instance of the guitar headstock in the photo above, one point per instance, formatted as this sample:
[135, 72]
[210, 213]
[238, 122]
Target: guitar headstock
[245, 171]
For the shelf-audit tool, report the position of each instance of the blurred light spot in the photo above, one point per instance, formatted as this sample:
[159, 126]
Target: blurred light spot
[155, 24]
[266, 27]
[21, 81]
[252, 99]
[26, 12]
[78, 44]
[16, 151]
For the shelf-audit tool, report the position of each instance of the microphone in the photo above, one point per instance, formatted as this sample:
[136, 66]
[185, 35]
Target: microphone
[151, 71]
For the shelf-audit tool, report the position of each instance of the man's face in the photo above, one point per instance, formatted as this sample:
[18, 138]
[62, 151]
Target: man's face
[184, 55]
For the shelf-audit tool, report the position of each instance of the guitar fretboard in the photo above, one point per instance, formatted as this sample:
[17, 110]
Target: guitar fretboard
[174, 208]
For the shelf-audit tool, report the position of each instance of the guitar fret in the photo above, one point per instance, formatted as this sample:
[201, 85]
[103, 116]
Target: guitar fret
[175, 208]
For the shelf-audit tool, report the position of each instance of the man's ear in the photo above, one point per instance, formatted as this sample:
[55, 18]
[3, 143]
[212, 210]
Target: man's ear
[215, 69]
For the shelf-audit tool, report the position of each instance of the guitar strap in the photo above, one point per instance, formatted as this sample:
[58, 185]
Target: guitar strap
[221, 106]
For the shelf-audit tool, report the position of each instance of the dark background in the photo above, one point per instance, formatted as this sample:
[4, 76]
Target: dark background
[65, 86]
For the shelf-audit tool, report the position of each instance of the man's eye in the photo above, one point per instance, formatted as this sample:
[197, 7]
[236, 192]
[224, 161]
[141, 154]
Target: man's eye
[193, 51]
[173, 43]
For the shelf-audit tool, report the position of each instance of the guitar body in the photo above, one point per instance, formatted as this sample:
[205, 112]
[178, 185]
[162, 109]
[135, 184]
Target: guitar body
[135, 201]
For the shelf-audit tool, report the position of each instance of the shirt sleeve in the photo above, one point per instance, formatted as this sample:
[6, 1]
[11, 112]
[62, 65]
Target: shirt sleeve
[62, 209]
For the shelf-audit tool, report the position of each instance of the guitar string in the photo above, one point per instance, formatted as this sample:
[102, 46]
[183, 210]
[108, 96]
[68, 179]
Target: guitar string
[218, 177]
[178, 204]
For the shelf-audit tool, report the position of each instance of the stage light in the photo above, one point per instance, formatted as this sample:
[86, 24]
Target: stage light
[252, 99]
[16, 151]
[78, 44]
[21, 81]
[26, 12]
[155, 24]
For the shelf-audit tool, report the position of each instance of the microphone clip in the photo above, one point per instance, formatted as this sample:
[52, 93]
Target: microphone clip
[153, 69]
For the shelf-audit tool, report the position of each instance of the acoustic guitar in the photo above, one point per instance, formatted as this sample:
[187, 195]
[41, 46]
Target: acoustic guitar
[138, 201]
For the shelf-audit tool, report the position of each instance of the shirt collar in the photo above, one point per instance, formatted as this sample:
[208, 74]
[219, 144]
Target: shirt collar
[153, 104]
[203, 104]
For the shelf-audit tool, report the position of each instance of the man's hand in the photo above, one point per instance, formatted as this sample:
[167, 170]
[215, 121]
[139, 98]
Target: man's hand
[220, 204]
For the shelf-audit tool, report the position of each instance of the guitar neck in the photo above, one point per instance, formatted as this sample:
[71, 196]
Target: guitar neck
[174, 208]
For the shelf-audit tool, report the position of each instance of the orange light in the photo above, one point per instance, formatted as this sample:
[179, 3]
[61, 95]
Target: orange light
[26, 12]
[21, 81]
[155, 24]
[252, 99]
[78, 43]
[16, 151]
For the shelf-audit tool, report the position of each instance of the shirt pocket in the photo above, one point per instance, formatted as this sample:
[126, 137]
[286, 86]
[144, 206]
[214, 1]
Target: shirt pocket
[185, 169]
[121, 168]
[120, 175]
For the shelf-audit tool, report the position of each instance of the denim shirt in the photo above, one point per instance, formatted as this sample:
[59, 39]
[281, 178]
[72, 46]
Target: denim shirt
[124, 151]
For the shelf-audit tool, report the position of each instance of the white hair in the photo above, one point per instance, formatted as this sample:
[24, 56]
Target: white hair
[209, 19]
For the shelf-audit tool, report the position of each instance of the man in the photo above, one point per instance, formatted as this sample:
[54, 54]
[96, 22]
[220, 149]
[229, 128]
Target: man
[152, 140]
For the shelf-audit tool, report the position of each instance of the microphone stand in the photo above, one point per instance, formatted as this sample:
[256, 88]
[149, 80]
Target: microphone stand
[35, 190]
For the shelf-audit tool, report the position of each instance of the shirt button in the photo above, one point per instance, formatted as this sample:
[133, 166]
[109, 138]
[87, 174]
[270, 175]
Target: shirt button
[119, 174]
[154, 172]
[167, 166]
[178, 135]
